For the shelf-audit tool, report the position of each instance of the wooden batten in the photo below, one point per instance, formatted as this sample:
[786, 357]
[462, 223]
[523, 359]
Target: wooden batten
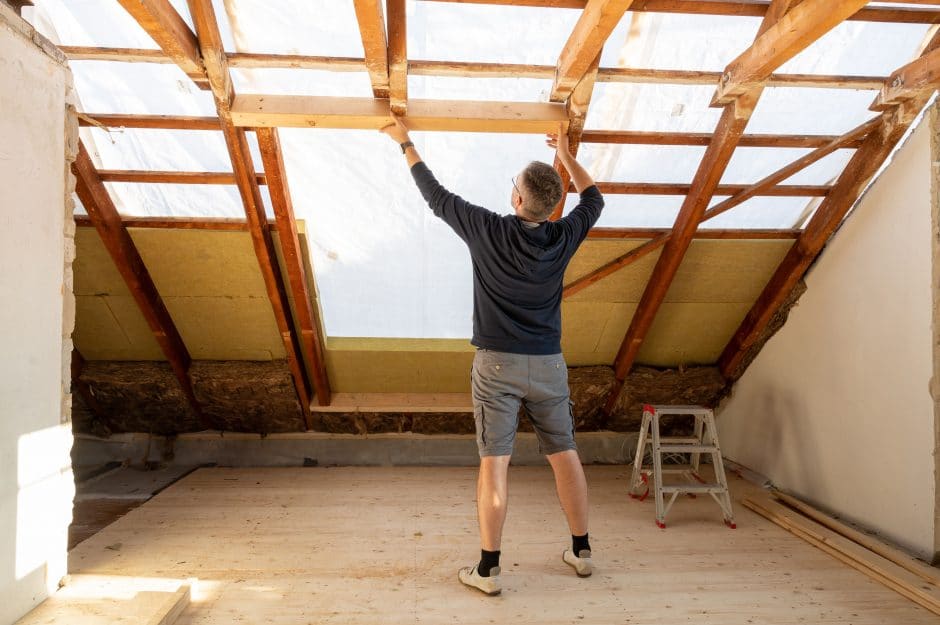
[371, 19]
[397, 57]
[370, 114]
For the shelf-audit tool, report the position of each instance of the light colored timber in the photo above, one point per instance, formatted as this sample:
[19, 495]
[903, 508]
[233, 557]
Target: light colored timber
[470, 69]
[701, 233]
[397, 56]
[904, 560]
[793, 32]
[370, 114]
[875, 566]
[398, 402]
[419, 525]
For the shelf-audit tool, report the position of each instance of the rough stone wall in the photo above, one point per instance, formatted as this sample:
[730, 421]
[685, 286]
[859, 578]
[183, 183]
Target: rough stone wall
[68, 282]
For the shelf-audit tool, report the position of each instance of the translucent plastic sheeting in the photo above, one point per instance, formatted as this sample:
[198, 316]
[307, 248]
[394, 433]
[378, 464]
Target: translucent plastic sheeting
[385, 266]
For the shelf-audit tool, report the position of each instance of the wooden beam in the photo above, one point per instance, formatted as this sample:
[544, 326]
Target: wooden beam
[577, 108]
[863, 166]
[661, 188]
[210, 43]
[584, 45]
[470, 69]
[103, 214]
[850, 138]
[917, 78]
[733, 8]
[734, 118]
[741, 234]
[370, 114]
[172, 177]
[371, 19]
[399, 402]
[636, 137]
[397, 57]
[311, 341]
[170, 32]
[160, 122]
[793, 32]
[227, 224]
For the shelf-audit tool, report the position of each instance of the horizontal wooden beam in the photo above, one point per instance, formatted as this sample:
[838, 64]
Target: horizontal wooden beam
[470, 69]
[731, 8]
[792, 33]
[702, 233]
[159, 122]
[228, 224]
[397, 402]
[659, 188]
[634, 137]
[919, 77]
[371, 114]
[231, 224]
[172, 177]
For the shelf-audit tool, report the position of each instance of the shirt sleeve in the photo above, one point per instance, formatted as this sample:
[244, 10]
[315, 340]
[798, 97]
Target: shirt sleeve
[466, 219]
[583, 217]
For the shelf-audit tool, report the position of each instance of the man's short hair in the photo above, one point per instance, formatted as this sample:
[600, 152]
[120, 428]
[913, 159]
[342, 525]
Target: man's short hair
[541, 190]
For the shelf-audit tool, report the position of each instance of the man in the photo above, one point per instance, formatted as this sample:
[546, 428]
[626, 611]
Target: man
[518, 265]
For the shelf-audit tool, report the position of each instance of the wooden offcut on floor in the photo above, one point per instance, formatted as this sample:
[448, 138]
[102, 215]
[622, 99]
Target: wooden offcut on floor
[383, 545]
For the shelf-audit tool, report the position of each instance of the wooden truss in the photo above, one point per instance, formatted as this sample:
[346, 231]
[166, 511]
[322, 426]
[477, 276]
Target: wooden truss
[788, 27]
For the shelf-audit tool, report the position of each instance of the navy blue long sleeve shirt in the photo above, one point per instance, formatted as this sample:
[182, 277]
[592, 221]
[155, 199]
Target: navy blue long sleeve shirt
[518, 270]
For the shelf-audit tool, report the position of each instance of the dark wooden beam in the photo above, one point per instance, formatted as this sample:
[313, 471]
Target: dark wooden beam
[170, 32]
[210, 42]
[663, 188]
[103, 214]
[635, 137]
[472, 69]
[733, 8]
[311, 340]
[741, 234]
[916, 79]
[734, 119]
[172, 177]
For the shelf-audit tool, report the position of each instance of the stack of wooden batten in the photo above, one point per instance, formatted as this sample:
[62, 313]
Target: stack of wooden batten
[892, 567]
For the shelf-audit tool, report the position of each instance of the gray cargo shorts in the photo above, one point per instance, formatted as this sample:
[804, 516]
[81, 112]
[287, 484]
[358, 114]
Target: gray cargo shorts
[501, 382]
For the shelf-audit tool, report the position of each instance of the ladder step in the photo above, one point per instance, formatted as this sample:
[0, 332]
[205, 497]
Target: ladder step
[686, 440]
[687, 448]
[694, 488]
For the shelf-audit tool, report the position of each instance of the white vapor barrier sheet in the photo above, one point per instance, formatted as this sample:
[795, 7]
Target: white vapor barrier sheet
[385, 266]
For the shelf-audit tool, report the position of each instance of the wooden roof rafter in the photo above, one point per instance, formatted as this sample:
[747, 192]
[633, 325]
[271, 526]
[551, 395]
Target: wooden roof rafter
[849, 139]
[371, 18]
[397, 57]
[789, 26]
[120, 246]
[890, 127]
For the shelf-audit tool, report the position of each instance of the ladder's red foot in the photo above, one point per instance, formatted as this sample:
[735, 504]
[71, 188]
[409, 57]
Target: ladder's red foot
[731, 524]
[661, 526]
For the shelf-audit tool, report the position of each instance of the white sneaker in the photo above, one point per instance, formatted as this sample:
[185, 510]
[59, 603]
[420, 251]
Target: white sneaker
[487, 585]
[581, 563]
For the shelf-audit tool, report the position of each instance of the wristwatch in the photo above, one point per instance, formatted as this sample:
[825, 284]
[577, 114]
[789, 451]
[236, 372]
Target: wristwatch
[406, 145]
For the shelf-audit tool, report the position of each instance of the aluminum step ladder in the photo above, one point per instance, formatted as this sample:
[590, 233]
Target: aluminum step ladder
[704, 440]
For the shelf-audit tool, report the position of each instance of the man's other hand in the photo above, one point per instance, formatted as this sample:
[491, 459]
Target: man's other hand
[396, 129]
[558, 140]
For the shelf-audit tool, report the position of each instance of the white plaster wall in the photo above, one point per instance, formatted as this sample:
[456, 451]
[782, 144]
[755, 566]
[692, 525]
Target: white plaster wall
[837, 407]
[36, 317]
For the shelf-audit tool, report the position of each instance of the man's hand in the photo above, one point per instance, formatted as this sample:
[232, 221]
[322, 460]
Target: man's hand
[559, 141]
[396, 129]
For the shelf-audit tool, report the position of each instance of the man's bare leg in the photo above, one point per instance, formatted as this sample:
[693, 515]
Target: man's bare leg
[572, 489]
[492, 493]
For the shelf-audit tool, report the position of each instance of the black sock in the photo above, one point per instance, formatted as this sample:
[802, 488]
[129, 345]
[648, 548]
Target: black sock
[578, 543]
[488, 559]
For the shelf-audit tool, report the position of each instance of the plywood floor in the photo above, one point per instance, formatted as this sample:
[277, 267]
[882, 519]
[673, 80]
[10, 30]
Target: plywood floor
[382, 545]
